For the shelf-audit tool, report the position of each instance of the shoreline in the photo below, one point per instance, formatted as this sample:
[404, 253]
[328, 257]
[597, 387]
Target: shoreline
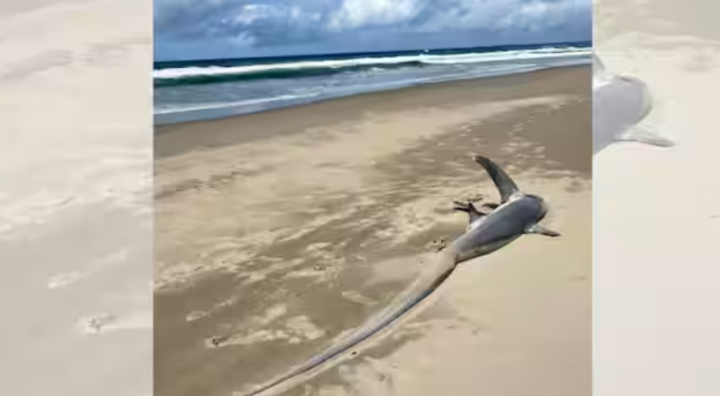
[166, 125]
[493, 84]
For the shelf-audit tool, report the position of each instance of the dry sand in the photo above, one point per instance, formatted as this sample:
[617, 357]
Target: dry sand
[278, 231]
[75, 196]
[656, 216]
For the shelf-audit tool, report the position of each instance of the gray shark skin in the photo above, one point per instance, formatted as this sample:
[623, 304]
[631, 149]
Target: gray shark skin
[517, 214]
[619, 104]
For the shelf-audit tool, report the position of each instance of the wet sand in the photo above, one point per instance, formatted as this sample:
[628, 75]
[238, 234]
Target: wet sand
[278, 231]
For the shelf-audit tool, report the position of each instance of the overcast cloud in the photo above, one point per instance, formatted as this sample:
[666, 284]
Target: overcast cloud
[193, 29]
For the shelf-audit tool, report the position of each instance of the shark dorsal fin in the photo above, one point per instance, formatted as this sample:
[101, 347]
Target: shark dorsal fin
[600, 74]
[505, 185]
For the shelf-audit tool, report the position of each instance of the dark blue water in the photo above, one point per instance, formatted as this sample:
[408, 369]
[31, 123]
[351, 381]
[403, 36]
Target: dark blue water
[194, 90]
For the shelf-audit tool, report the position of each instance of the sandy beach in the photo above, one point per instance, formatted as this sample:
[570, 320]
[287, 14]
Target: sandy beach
[656, 257]
[75, 198]
[277, 232]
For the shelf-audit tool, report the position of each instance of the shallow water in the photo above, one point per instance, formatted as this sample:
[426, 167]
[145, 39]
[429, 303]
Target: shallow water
[188, 91]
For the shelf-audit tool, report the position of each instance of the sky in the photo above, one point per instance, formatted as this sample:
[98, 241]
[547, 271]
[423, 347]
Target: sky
[211, 29]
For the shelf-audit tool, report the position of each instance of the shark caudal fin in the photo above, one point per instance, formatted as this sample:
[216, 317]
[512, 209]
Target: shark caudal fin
[645, 134]
[505, 185]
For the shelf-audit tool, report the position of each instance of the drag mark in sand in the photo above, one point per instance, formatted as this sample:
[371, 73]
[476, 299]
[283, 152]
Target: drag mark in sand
[517, 214]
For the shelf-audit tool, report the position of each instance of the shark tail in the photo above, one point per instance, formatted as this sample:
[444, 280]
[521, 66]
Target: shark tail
[421, 288]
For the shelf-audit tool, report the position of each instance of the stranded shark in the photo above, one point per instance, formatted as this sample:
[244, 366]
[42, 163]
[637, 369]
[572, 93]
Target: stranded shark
[619, 104]
[517, 214]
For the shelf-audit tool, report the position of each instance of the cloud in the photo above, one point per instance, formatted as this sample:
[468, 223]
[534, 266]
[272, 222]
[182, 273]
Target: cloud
[265, 26]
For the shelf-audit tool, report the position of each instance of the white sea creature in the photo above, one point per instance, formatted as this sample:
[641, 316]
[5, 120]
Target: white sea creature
[619, 105]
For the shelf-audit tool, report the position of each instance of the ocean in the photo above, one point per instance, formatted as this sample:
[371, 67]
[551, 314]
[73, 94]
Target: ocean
[207, 89]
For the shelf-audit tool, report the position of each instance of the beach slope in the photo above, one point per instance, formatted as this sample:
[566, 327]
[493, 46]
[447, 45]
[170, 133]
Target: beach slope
[277, 232]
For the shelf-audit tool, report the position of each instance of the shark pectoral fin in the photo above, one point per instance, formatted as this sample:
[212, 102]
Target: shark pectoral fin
[468, 208]
[461, 206]
[490, 205]
[645, 134]
[540, 230]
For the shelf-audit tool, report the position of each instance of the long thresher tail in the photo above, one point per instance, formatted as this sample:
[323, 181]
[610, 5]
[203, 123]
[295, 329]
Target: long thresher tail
[420, 289]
